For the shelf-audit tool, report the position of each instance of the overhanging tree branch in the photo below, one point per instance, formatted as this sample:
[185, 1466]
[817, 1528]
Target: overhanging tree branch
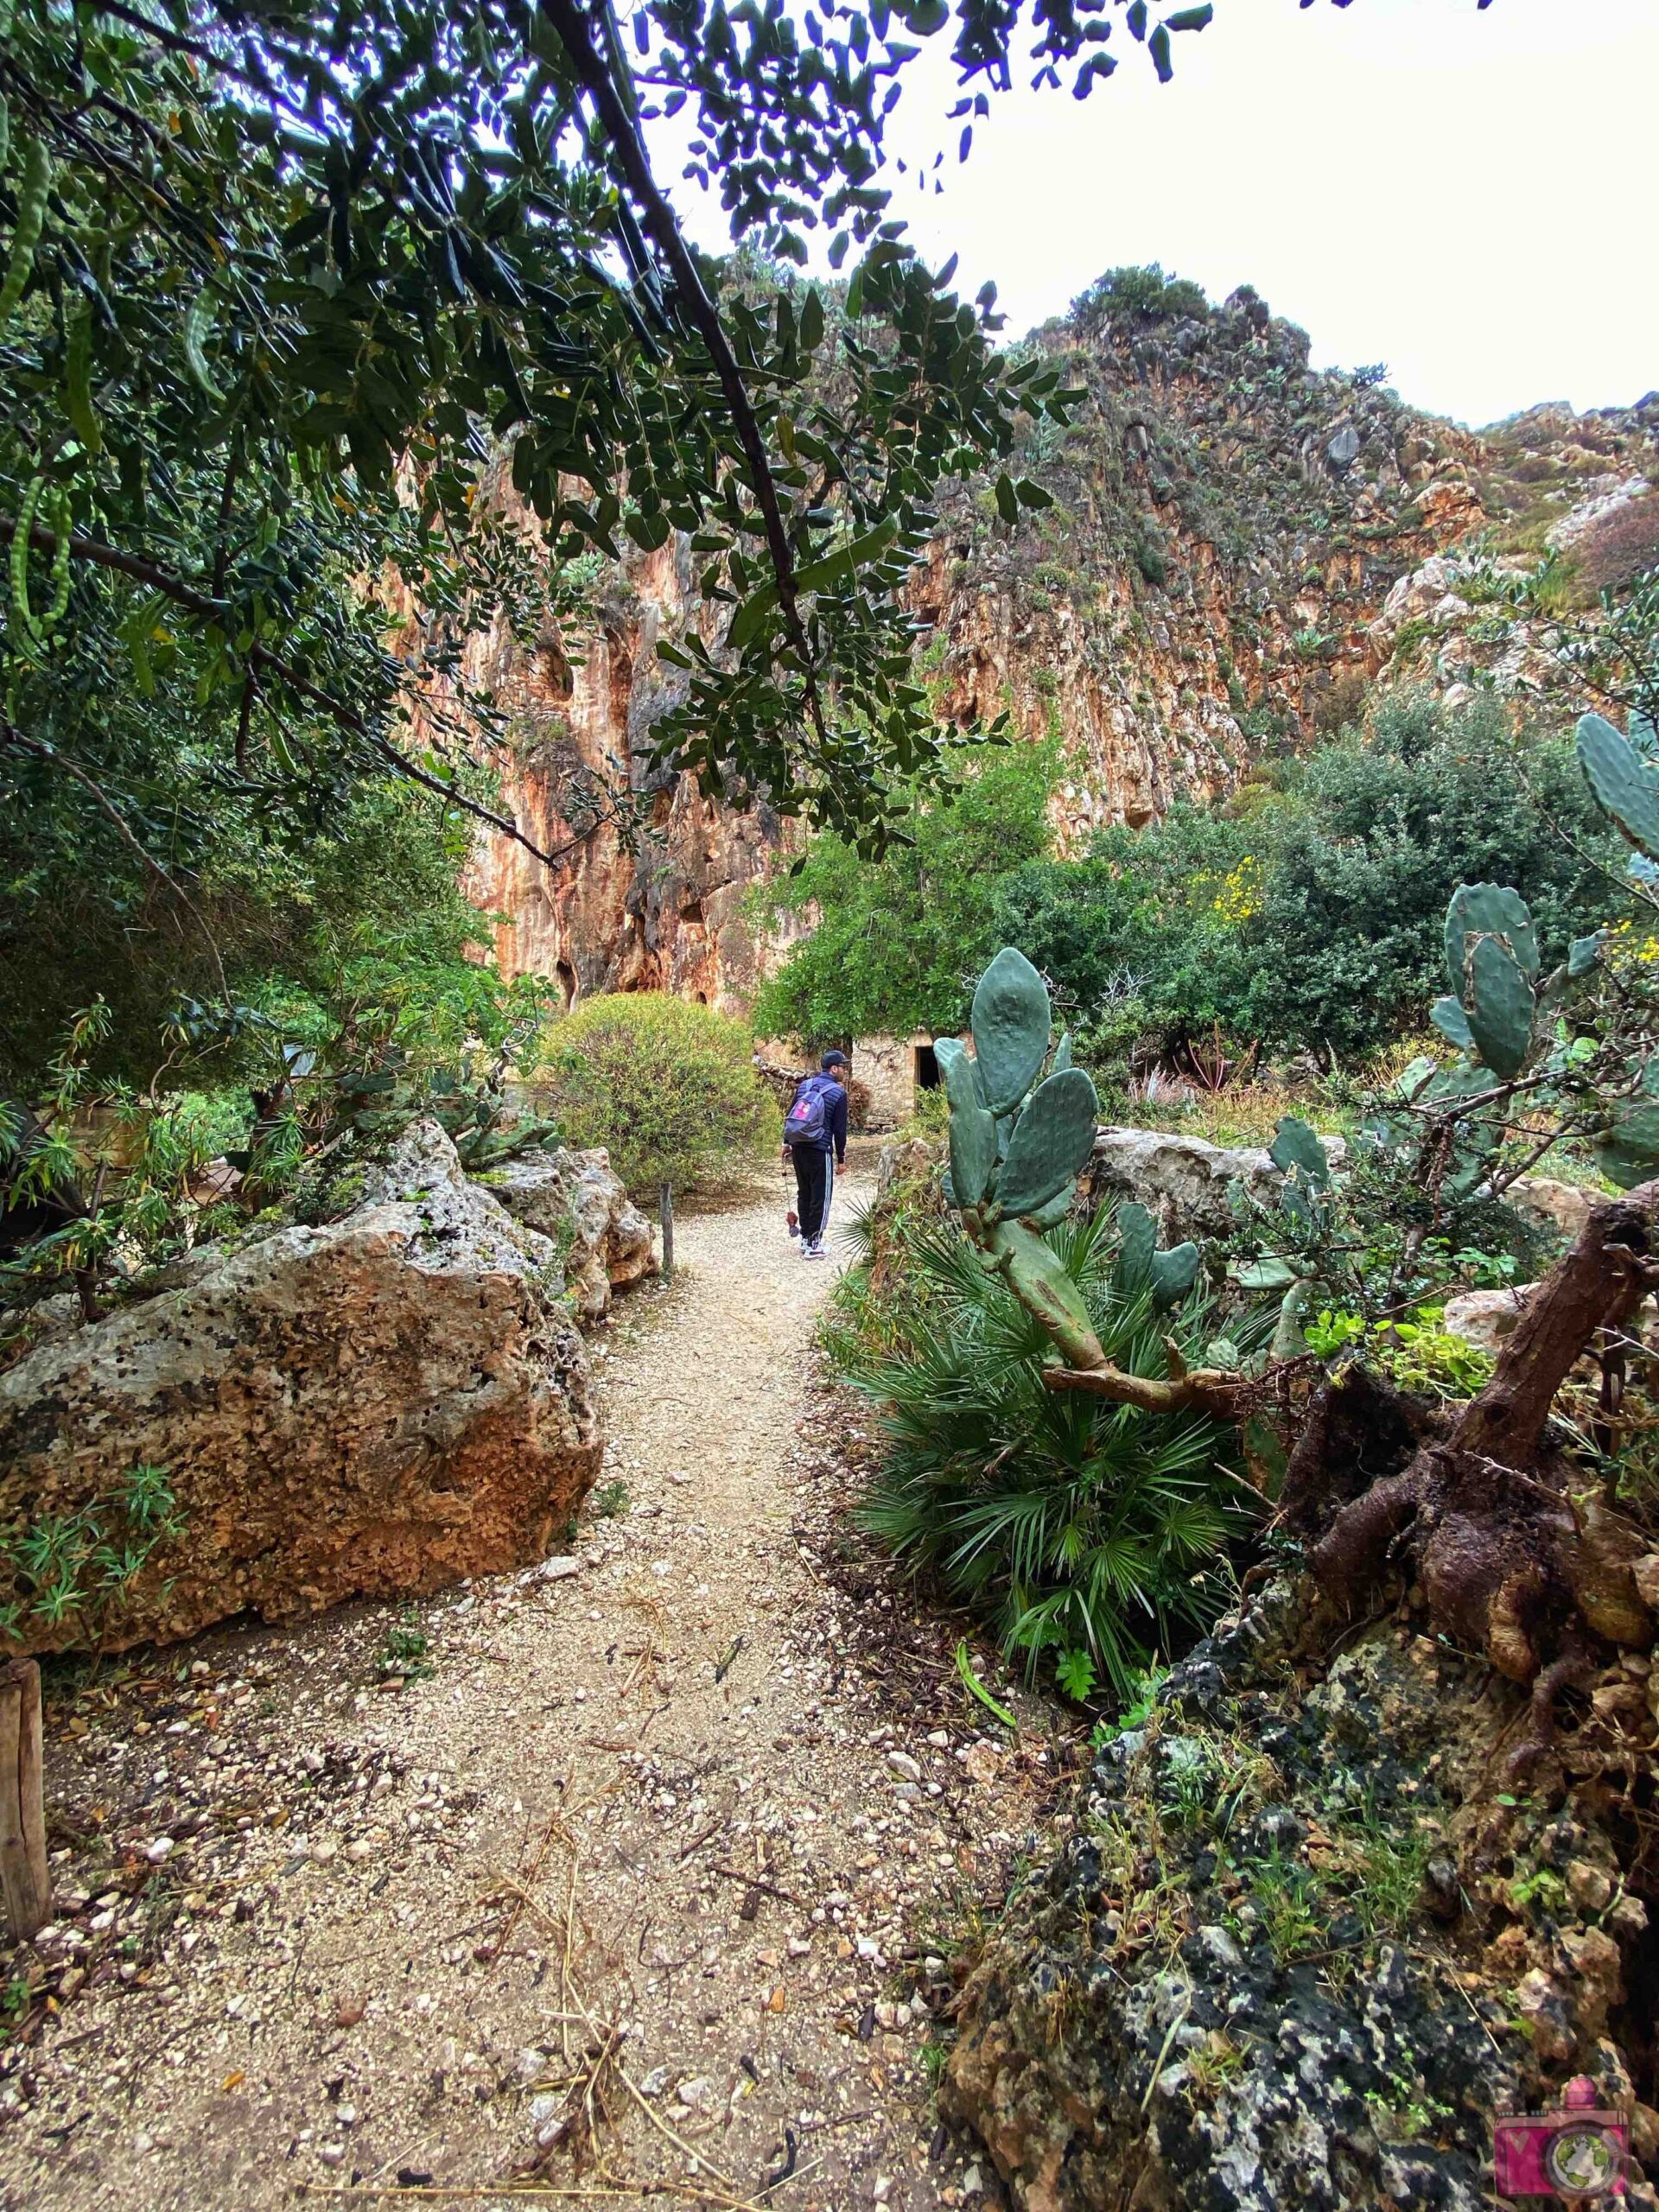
[258, 656]
[663, 226]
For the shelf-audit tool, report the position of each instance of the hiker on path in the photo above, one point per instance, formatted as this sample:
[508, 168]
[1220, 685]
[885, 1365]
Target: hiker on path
[814, 1137]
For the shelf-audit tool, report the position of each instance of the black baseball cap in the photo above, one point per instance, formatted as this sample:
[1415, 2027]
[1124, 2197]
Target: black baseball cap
[834, 1057]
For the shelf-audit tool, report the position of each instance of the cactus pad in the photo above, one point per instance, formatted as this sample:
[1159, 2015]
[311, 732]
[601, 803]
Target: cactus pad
[1010, 1024]
[1488, 910]
[1499, 1000]
[973, 1133]
[1296, 1146]
[1625, 779]
[1051, 1144]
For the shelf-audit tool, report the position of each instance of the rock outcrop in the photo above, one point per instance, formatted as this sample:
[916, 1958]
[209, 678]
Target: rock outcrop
[1183, 1181]
[1300, 1949]
[379, 1405]
[573, 1199]
[1236, 545]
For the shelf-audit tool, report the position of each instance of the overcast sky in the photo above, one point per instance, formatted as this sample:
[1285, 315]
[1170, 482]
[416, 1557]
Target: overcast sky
[1467, 195]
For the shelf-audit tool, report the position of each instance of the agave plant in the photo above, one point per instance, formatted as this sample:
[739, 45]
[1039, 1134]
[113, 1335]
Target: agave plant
[1092, 1532]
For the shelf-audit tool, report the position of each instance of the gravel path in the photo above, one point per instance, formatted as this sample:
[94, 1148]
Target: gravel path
[637, 1876]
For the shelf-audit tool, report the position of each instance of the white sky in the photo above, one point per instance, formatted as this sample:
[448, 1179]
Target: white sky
[1472, 197]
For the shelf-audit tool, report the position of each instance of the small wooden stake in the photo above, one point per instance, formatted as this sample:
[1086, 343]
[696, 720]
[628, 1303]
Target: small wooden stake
[26, 1883]
[666, 1209]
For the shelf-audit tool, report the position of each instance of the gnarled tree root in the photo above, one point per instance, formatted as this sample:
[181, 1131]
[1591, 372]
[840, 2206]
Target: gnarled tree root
[1510, 1559]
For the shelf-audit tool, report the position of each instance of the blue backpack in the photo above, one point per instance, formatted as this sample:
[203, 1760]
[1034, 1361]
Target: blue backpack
[806, 1123]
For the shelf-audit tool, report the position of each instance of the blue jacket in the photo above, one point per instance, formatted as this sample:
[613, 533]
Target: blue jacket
[835, 1117]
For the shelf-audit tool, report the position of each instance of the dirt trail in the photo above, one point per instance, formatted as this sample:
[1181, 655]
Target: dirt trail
[637, 1879]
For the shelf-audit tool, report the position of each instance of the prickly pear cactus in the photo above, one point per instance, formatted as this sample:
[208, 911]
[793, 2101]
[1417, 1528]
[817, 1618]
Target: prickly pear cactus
[1491, 956]
[1625, 776]
[1019, 1141]
[1141, 1266]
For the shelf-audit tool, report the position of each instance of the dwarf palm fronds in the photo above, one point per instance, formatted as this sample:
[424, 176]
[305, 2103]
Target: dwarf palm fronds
[1090, 1530]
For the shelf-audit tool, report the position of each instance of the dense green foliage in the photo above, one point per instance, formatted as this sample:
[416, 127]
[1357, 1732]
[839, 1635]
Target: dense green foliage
[1083, 1531]
[669, 1088]
[1309, 913]
[1132, 295]
[899, 941]
[304, 318]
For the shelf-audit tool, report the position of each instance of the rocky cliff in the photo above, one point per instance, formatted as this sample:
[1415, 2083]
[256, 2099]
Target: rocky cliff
[1237, 544]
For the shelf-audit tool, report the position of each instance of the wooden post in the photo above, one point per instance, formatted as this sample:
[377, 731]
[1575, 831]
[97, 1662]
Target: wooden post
[666, 1210]
[27, 1886]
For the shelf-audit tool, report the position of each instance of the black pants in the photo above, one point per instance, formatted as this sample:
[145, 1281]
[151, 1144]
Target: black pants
[815, 1184]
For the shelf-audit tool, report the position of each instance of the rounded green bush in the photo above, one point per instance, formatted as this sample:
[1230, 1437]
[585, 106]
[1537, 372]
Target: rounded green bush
[669, 1088]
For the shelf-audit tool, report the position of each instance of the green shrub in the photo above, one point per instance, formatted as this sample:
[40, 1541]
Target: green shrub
[1311, 917]
[1131, 296]
[1082, 1530]
[669, 1088]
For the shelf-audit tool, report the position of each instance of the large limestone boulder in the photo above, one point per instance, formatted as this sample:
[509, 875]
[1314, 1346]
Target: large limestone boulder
[377, 1406]
[1182, 1181]
[574, 1199]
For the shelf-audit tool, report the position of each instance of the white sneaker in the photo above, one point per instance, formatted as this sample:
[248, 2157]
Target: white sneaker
[816, 1252]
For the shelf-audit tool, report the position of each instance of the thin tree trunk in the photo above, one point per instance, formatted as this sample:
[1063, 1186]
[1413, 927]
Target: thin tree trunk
[23, 1876]
[666, 1209]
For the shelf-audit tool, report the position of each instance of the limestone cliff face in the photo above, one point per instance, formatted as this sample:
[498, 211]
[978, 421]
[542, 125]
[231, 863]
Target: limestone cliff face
[658, 910]
[1236, 545]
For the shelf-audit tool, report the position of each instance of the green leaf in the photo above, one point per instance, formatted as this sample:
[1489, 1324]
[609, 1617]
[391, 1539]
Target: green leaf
[812, 322]
[746, 622]
[648, 531]
[834, 568]
[971, 1680]
[1007, 500]
[1031, 494]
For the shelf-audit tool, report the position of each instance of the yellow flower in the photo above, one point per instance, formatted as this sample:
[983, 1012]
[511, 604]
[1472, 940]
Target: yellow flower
[1239, 898]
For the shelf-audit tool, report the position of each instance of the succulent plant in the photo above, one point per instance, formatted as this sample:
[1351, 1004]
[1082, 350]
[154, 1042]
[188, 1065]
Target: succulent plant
[1625, 776]
[1141, 1266]
[1018, 1139]
[1492, 956]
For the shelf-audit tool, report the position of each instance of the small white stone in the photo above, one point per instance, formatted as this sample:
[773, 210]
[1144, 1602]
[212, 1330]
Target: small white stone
[331, 2153]
[326, 1848]
[902, 1762]
[530, 2062]
[160, 1848]
[655, 2082]
[973, 2182]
